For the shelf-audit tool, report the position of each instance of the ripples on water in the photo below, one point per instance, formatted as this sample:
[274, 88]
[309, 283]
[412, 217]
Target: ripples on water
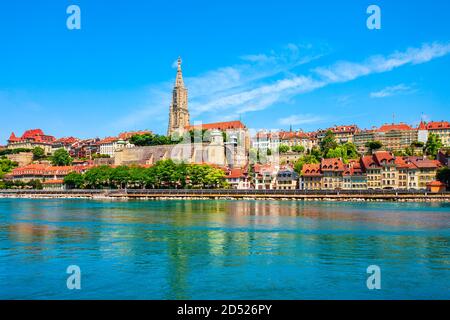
[223, 249]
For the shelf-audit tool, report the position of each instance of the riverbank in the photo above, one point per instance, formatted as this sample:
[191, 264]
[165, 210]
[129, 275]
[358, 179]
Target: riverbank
[289, 195]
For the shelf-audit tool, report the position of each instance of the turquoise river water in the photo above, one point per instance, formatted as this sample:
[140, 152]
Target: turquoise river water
[223, 249]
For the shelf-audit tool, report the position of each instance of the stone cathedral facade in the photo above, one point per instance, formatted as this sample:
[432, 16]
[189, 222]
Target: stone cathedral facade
[179, 113]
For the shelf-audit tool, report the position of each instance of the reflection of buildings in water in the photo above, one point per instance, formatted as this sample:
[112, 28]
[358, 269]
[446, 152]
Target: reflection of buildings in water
[29, 233]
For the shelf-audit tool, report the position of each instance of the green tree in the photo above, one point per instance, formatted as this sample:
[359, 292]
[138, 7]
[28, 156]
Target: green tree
[433, 145]
[373, 146]
[416, 145]
[120, 177]
[283, 148]
[443, 175]
[38, 153]
[307, 159]
[98, 177]
[150, 139]
[328, 142]
[6, 166]
[61, 158]
[35, 184]
[74, 180]
[137, 177]
[298, 149]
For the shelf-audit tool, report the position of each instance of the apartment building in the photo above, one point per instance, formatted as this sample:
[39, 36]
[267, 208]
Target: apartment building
[394, 137]
[343, 134]
[441, 129]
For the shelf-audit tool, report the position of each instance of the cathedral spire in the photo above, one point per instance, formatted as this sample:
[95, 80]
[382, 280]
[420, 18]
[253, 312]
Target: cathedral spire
[179, 80]
[179, 113]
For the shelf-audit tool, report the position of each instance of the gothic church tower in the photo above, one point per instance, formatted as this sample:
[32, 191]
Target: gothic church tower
[179, 113]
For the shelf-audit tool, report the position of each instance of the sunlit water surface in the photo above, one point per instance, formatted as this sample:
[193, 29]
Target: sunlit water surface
[223, 249]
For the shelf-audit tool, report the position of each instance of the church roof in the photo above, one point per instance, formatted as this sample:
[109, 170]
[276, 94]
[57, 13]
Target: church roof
[228, 125]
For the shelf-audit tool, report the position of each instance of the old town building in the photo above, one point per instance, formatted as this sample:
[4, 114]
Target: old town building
[43, 172]
[264, 140]
[342, 134]
[31, 139]
[238, 179]
[394, 137]
[287, 179]
[441, 129]
[380, 171]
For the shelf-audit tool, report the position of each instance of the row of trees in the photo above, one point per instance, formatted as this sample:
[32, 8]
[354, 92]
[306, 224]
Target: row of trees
[285, 149]
[150, 139]
[32, 184]
[164, 174]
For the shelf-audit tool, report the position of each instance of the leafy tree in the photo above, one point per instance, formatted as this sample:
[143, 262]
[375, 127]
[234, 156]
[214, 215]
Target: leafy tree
[149, 139]
[338, 152]
[13, 151]
[120, 177]
[61, 158]
[35, 184]
[74, 180]
[298, 149]
[283, 148]
[137, 177]
[307, 159]
[100, 156]
[98, 177]
[443, 175]
[373, 146]
[316, 153]
[433, 145]
[351, 150]
[38, 153]
[328, 142]
[6, 166]
[345, 151]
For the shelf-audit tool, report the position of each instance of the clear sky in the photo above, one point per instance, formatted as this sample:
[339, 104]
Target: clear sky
[309, 64]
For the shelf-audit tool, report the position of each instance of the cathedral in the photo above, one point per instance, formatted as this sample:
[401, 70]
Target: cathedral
[179, 113]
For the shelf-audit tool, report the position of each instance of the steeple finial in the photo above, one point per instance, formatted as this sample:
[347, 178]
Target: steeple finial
[179, 81]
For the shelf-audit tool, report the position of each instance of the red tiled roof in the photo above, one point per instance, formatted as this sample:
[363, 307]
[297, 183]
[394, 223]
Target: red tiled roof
[434, 125]
[68, 140]
[426, 163]
[435, 183]
[218, 126]
[343, 129]
[311, 170]
[128, 135]
[235, 173]
[36, 135]
[333, 164]
[381, 156]
[108, 140]
[391, 127]
[368, 162]
[283, 135]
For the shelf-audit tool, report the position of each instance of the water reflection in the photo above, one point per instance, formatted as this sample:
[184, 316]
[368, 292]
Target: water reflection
[226, 249]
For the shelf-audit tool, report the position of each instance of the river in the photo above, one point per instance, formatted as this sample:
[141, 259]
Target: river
[206, 249]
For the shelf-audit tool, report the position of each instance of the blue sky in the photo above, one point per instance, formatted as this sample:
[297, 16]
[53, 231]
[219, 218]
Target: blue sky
[309, 64]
